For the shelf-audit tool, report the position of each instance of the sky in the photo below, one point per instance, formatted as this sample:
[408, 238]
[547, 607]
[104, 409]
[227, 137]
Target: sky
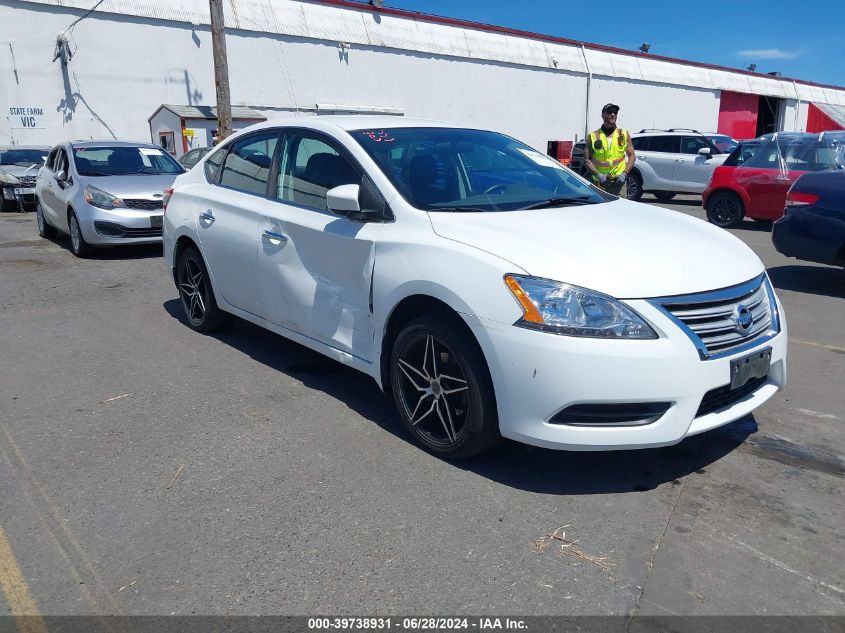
[802, 40]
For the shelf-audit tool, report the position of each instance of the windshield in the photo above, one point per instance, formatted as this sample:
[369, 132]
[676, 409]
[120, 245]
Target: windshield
[121, 161]
[799, 152]
[449, 169]
[23, 157]
[723, 143]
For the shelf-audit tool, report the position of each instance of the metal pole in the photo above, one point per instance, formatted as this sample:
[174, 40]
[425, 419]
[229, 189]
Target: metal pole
[221, 70]
[587, 104]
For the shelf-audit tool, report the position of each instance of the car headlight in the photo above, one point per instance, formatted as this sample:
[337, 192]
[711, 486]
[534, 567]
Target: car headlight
[9, 179]
[99, 198]
[560, 308]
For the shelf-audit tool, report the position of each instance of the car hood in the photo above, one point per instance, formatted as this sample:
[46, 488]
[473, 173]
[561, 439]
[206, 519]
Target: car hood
[18, 170]
[142, 186]
[622, 248]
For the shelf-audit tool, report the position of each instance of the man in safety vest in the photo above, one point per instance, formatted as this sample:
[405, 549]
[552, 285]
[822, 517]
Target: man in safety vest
[610, 154]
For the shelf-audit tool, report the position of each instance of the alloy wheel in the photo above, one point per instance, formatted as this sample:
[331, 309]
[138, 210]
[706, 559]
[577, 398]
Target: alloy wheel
[725, 211]
[193, 289]
[75, 235]
[433, 390]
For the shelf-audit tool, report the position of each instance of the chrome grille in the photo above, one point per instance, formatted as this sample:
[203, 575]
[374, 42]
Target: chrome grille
[27, 181]
[710, 319]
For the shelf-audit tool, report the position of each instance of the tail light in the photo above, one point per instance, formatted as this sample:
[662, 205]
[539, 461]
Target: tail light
[167, 193]
[800, 199]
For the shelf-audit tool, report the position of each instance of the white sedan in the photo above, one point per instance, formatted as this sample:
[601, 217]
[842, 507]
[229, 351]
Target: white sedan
[491, 290]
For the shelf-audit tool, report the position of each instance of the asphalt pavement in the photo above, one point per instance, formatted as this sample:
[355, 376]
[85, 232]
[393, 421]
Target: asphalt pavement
[149, 469]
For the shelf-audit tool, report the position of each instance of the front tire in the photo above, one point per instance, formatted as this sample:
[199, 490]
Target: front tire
[78, 245]
[47, 231]
[725, 209]
[443, 389]
[634, 184]
[195, 291]
[663, 196]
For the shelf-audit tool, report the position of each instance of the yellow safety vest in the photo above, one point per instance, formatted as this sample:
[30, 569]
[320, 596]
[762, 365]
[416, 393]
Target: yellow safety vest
[609, 152]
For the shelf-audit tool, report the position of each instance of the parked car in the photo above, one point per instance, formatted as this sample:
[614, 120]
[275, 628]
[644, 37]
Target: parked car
[754, 179]
[813, 224]
[579, 149]
[192, 157]
[104, 193]
[672, 161]
[725, 144]
[18, 165]
[536, 308]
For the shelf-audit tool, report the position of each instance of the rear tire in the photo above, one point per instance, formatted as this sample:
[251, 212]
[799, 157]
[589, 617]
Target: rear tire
[663, 196]
[78, 245]
[197, 295]
[725, 209]
[634, 183]
[443, 389]
[47, 231]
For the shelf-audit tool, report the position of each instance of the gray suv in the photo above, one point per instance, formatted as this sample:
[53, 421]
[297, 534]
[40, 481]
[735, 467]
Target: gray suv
[672, 161]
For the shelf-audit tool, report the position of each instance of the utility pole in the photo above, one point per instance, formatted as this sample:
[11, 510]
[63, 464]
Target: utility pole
[221, 70]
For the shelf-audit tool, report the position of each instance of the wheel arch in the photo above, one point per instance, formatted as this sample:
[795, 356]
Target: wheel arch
[407, 310]
[182, 242]
[739, 193]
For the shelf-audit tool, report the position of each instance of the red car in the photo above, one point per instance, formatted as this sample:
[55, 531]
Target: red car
[754, 179]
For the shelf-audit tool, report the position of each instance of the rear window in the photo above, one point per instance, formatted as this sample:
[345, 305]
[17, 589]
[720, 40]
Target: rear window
[800, 153]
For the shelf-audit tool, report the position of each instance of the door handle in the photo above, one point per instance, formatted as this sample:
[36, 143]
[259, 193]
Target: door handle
[679, 160]
[208, 216]
[641, 157]
[272, 235]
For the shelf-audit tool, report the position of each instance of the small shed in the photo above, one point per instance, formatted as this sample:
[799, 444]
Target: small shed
[181, 128]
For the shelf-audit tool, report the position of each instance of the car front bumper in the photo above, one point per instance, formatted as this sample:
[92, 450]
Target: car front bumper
[536, 375]
[115, 227]
[18, 194]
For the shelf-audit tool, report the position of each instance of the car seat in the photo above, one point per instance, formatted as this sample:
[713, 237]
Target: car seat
[422, 179]
[125, 161]
[323, 171]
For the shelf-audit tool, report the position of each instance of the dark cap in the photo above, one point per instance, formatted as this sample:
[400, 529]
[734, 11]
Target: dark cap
[610, 107]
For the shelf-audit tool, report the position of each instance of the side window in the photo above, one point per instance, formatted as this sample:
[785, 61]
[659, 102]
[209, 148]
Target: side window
[212, 165]
[667, 144]
[691, 144]
[247, 166]
[641, 143]
[51, 159]
[308, 168]
[61, 163]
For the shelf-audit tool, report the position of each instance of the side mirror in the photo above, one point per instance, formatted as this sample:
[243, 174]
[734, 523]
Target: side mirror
[343, 200]
[705, 151]
[61, 175]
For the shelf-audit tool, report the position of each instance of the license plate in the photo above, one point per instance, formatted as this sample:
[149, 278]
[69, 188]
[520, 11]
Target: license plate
[24, 191]
[754, 365]
[155, 221]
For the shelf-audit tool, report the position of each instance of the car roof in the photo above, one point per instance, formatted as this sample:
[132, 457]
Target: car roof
[112, 144]
[352, 122]
[3, 148]
[669, 132]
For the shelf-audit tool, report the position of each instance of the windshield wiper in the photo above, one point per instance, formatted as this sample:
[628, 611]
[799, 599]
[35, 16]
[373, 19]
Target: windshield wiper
[560, 202]
[94, 173]
[459, 209]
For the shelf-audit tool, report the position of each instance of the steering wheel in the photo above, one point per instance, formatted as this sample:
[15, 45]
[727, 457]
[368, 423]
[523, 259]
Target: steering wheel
[502, 186]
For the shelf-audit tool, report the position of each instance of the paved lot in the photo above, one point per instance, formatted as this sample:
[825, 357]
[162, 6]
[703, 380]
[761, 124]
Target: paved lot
[148, 469]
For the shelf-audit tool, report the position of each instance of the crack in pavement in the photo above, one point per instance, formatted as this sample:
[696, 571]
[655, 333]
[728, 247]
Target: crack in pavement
[669, 515]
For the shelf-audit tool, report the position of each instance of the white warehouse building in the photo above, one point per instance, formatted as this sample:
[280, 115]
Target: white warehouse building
[67, 72]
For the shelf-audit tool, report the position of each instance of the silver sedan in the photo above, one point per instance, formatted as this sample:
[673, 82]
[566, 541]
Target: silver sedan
[104, 193]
